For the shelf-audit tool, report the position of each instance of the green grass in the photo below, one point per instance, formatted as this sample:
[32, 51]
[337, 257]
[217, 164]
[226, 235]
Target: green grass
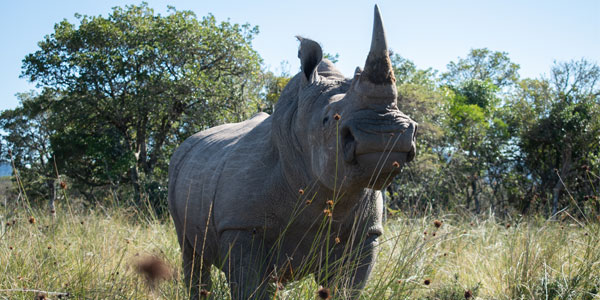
[91, 254]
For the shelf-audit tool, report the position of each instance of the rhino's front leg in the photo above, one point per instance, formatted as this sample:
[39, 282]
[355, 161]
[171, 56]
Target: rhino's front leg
[366, 262]
[354, 269]
[245, 265]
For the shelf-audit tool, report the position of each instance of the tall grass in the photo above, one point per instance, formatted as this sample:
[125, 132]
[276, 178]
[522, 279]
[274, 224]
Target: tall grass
[90, 254]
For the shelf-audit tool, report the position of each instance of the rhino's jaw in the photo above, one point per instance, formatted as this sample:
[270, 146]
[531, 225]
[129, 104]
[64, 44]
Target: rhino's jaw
[382, 162]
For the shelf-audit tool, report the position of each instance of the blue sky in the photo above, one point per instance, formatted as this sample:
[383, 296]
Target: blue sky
[430, 33]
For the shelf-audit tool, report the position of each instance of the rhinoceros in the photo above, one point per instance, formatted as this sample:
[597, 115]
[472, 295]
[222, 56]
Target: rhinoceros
[277, 197]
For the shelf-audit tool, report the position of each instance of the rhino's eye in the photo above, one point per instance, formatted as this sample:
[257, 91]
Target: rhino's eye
[325, 120]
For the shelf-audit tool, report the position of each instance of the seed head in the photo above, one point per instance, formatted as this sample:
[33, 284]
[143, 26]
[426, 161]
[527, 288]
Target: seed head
[396, 164]
[468, 294]
[328, 212]
[49, 247]
[324, 293]
[40, 296]
[204, 293]
[10, 247]
[437, 223]
[153, 269]
[308, 202]
[507, 225]
[337, 117]
[427, 281]
[337, 240]
[301, 191]
[31, 220]
[8, 224]
[63, 185]
[433, 234]
[330, 202]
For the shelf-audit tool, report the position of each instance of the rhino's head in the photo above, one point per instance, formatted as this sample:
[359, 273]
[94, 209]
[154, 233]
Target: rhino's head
[349, 132]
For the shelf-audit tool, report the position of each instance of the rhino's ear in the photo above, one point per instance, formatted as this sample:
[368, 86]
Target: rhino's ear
[310, 54]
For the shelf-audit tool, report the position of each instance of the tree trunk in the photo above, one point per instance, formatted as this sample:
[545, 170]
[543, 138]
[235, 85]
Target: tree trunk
[475, 194]
[52, 192]
[562, 174]
[555, 195]
[135, 181]
[141, 146]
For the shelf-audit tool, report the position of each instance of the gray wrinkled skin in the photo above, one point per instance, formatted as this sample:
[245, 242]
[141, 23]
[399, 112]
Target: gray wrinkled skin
[234, 189]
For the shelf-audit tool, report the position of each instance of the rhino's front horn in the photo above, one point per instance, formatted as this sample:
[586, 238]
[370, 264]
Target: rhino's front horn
[378, 67]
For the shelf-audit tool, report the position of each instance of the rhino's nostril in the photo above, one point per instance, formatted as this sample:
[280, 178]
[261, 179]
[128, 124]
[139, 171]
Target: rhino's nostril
[348, 144]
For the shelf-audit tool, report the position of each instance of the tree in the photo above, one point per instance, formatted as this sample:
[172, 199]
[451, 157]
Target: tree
[26, 139]
[478, 131]
[558, 121]
[483, 65]
[134, 84]
[460, 137]
[420, 97]
[274, 85]
[471, 123]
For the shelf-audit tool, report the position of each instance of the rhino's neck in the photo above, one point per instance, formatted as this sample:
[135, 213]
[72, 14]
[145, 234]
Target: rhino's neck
[302, 187]
[294, 170]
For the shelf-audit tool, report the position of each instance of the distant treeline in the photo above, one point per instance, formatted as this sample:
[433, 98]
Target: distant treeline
[119, 93]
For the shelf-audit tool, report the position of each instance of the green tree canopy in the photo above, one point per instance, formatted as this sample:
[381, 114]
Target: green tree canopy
[484, 65]
[131, 85]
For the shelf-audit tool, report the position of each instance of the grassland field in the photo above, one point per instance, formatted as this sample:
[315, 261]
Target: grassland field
[92, 252]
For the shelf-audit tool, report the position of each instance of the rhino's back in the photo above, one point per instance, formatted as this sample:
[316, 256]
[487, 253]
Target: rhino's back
[211, 143]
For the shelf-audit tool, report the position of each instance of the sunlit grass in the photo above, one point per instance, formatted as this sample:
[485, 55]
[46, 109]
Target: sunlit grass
[89, 255]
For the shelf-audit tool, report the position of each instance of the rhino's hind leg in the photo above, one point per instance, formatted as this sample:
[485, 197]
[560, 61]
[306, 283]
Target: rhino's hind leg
[196, 271]
[245, 266]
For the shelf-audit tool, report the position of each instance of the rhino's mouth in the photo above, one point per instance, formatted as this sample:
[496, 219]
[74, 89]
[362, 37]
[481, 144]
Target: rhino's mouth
[386, 161]
[372, 153]
[372, 144]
